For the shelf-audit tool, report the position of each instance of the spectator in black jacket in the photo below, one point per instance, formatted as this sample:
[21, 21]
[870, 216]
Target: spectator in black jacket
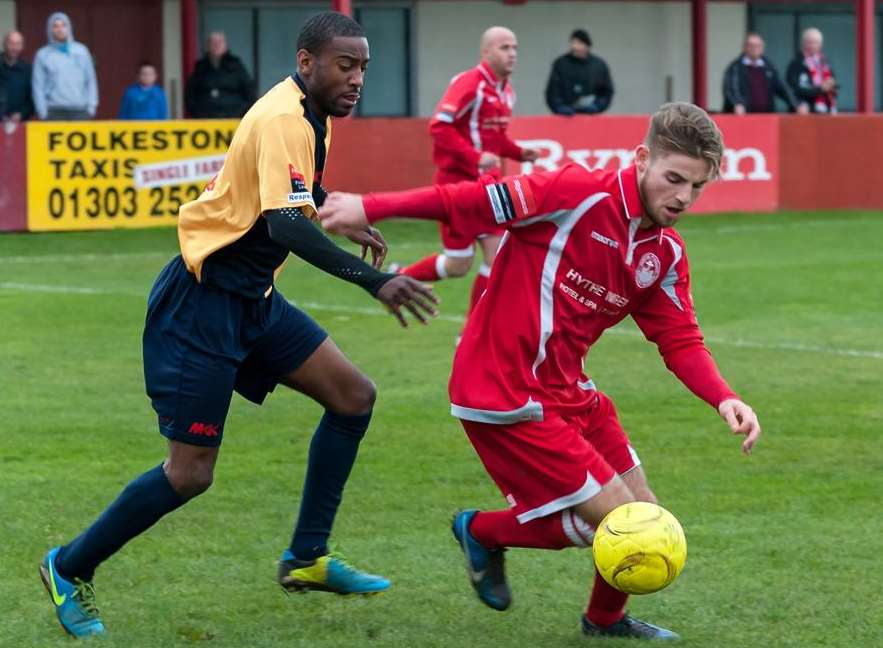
[811, 77]
[15, 81]
[220, 86]
[751, 82]
[580, 81]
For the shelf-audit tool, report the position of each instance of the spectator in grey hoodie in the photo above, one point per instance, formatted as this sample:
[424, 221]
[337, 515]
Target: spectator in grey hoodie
[64, 85]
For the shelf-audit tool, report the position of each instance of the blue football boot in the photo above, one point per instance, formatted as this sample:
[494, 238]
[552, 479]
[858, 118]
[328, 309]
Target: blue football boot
[328, 573]
[629, 626]
[485, 566]
[74, 601]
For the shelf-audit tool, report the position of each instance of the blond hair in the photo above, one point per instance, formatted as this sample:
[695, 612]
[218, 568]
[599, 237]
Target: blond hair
[685, 128]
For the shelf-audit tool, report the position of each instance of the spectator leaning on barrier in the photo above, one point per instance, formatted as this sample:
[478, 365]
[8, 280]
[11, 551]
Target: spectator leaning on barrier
[64, 84]
[751, 82]
[220, 86]
[811, 77]
[580, 81]
[144, 99]
[15, 81]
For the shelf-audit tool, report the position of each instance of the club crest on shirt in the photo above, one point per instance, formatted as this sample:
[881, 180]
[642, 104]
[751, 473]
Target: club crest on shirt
[298, 182]
[647, 270]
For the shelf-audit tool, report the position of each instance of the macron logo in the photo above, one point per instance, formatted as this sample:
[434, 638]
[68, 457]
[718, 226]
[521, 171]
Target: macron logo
[204, 429]
[606, 241]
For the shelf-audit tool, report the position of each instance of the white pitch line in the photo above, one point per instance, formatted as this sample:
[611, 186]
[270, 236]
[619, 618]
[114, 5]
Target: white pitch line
[458, 319]
[73, 258]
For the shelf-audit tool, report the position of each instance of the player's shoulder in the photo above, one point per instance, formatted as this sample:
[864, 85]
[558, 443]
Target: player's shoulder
[280, 104]
[466, 78]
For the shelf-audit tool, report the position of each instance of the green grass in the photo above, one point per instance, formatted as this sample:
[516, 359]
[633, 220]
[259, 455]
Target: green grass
[784, 545]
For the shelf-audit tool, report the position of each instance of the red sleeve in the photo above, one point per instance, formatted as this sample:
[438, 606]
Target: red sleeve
[667, 318]
[508, 202]
[455, 107]
[510, 149]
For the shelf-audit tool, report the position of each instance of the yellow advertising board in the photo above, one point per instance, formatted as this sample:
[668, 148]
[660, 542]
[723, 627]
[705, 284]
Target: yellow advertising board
[100, 175]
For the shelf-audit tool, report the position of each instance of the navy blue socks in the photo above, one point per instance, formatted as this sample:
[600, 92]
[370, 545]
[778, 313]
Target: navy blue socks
[138, 507]
[331, 458]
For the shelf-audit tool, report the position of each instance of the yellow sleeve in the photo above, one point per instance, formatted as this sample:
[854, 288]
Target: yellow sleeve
[285, 165]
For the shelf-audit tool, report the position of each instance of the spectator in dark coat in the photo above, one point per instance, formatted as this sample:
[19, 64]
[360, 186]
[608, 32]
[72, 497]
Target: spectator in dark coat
[15, 81]
[580, 81]
[751, 82]
[145, 99]
[220, 86]
[811, 77]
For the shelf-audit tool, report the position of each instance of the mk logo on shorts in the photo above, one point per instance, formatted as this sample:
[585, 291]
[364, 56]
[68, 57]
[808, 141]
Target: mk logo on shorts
[204, 429]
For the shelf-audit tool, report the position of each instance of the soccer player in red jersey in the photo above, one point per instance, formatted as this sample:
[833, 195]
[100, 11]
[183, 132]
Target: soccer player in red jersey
[583, 249]
[469, 139]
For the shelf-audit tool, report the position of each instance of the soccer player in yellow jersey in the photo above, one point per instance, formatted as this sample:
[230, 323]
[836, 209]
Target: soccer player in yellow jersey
[217, 324]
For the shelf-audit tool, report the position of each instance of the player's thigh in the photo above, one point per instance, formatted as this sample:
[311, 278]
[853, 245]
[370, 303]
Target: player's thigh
[459, 251]
[614, 493]
[636, 480]
[489, 243]
[332, 380]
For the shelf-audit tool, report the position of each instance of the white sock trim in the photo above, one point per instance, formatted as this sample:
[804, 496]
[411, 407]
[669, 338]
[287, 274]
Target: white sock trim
[484, 270]
[440, 266]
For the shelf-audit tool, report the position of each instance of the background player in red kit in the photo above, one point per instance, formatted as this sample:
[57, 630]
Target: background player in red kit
[469, 138]
[583, 250]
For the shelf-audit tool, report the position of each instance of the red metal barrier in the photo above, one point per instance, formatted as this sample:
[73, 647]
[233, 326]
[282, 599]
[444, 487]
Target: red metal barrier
[13, 181]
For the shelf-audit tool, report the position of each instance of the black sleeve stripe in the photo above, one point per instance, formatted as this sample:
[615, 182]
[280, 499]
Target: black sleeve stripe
[506, 201]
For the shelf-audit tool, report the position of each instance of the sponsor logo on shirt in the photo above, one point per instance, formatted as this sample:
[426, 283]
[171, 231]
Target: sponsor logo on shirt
[300, 197]
[605, 240]
[648, 270]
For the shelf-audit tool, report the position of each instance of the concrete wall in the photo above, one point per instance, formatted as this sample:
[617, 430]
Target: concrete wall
[7, 17]
[642, 42]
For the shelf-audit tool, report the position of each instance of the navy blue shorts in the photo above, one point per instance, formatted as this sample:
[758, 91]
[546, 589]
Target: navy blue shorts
[201, 344]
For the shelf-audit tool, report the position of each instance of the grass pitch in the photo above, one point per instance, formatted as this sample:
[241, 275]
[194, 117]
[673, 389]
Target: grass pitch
[784, 546]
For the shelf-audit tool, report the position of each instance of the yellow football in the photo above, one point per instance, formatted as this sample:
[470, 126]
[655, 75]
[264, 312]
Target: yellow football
[639, 548]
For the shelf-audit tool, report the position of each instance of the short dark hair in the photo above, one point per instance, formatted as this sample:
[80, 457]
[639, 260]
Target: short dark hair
[321, 28]
[581, 35]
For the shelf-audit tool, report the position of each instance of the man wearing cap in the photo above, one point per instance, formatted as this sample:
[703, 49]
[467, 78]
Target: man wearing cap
[580, 81]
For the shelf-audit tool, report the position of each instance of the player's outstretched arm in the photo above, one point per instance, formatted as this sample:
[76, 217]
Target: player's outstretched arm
[291, 228]
[742, 420]
[344, 213]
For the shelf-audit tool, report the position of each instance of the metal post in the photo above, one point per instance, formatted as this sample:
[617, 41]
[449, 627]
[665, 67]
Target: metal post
[698, 14]
[343, 6]
[864, 55]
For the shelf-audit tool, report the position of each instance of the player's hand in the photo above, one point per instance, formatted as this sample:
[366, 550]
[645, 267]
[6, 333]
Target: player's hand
[742, 420]
[403, 292]
[529, 155]
[344, 214]
[488, 161]
[370, 238]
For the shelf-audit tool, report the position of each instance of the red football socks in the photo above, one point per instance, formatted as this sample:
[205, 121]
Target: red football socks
[497, 529]
[607, 605]
[425, 269]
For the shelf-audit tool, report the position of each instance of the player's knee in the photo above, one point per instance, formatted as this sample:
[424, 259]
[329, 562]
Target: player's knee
[357, 399]
[191, 479]
[646, 495]
[458, 266]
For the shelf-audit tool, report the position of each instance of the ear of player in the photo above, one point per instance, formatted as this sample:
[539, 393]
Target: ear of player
[639, 548]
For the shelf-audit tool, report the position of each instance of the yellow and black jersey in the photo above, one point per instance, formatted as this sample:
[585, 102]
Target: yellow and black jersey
[275, 161]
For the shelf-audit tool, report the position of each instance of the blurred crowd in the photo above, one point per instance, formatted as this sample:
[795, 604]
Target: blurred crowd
[61, 83]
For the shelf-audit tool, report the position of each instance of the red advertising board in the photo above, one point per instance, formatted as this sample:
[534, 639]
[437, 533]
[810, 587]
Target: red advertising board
[749, 174]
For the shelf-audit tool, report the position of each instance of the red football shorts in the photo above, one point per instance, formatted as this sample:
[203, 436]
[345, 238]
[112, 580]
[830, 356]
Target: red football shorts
[458, 238]
[545, 467]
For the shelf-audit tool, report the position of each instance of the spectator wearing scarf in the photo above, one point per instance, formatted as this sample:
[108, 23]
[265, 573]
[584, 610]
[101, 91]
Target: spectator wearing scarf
[64, 85]
[810, 75]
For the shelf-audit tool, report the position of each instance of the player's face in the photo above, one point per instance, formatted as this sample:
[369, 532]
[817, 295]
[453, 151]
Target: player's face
[668, 183]
[502, 54]
[334, 77]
